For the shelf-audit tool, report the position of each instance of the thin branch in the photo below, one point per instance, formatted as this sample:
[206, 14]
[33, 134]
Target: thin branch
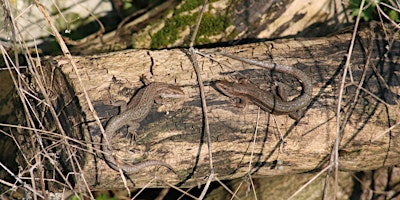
[203, 101]
[340, 97]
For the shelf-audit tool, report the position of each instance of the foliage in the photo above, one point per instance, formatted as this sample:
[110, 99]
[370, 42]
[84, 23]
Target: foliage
[371, 12]
[211, 24]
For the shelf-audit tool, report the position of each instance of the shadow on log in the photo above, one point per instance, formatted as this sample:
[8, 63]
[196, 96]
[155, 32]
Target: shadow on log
[174, 133]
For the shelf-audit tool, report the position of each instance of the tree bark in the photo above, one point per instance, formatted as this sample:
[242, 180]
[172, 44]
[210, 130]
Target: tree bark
[167, 24]
[177, 137]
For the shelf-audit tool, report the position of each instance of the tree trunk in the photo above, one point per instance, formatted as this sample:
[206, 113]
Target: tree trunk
[281, 145]
[167, 25]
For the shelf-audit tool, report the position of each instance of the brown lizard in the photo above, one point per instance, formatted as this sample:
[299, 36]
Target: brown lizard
[131, 114]
[265, 100]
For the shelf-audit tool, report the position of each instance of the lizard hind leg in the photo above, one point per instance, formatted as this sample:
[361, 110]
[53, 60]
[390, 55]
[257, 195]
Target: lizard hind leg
[281, 91]
[132, 129]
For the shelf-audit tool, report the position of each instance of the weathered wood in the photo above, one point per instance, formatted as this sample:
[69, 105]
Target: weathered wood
[177, 137]
[167, 25]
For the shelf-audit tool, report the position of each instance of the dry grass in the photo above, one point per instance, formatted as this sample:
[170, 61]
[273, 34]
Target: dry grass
[31, 181]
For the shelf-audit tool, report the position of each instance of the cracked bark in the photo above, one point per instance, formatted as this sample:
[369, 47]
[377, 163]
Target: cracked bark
[176, 136]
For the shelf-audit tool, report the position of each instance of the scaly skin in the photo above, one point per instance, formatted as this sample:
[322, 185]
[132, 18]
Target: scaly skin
[265, 100]
[137, 109]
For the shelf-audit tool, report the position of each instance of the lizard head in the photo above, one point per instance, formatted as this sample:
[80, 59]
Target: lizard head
[171, 92]
[226, 87]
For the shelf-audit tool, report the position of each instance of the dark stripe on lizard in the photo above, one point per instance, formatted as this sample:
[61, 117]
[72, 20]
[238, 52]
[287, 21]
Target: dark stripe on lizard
[266, 100]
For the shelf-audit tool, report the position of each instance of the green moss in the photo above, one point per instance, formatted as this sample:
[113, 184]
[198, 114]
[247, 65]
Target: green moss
[210, 25]
[394, 15]
[189, 5]
[169, 33]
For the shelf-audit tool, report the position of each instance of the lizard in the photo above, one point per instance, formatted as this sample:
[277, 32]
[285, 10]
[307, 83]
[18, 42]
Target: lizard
[265, 100]
[131, 114]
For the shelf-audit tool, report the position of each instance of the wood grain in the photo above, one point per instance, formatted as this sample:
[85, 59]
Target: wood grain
[281, 145]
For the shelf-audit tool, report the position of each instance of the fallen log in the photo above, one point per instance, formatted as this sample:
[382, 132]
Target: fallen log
[174, 133]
